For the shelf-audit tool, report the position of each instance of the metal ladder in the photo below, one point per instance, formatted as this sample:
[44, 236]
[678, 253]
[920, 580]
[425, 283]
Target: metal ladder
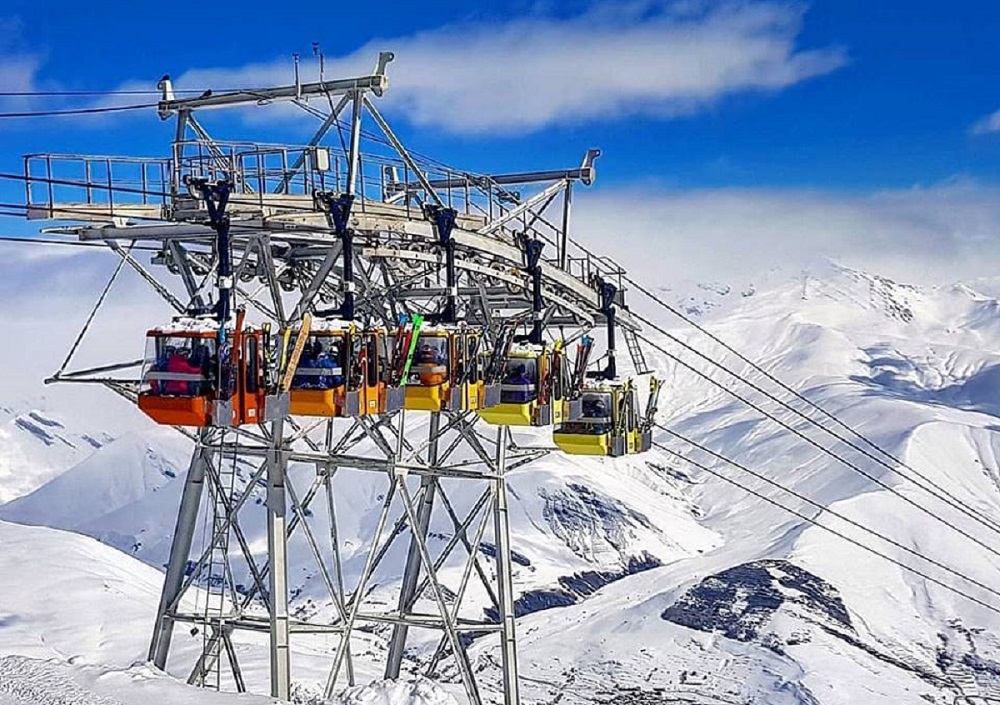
[635, 351]
[218, 576]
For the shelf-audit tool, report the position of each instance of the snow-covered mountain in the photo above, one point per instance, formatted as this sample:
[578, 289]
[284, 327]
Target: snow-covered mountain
[644, 578]
[36, 446]
[105, 494]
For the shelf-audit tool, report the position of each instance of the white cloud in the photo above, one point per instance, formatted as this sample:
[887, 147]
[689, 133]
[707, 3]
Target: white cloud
[18, 67]
[17, 72]
[990, 123]
[652, 58]
[936, 234]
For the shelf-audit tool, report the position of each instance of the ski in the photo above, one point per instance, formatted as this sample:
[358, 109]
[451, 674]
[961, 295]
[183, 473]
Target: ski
[293, 359]
[269, 361]
[501, 350]
[583, 350]
[283, 358]
[409, 333]
[652, 403]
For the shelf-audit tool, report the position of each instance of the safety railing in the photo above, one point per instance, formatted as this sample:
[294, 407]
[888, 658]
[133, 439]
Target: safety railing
[51, 180]
[263, 173]
[274, 170]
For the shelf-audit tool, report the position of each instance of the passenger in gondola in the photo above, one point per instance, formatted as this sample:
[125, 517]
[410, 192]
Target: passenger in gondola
[227, 380]
[303, 378]
[426, 355]
[430, 363]
[597, 409]
[201, 358]
[322, 361]
[179, 364]
[155, 385]
[521, 386]
[330, 359]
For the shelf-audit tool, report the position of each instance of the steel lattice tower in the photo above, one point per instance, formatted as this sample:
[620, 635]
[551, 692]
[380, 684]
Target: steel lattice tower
[288, 264]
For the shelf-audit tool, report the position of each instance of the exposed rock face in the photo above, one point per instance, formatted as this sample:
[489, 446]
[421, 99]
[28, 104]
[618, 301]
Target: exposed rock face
[589, 522]
[576, 587]
[740, 602]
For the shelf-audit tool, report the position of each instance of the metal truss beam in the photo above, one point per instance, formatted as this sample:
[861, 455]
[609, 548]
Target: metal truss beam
[287, 256]
[376, 82]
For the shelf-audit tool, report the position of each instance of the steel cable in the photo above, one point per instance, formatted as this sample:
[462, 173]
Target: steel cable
[812, 520]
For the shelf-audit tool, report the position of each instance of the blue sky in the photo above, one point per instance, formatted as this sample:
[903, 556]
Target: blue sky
[721, 122]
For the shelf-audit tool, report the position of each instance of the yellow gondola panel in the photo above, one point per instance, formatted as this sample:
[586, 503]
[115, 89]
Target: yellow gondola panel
[446, 372]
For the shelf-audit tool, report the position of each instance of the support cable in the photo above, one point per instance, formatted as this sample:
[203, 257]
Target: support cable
[93, 311]
[60, 94]
[935, 490]
[77, 111]
[71, 243]
[823, 449]
[813, 521]
[825, 510]
[951, 499]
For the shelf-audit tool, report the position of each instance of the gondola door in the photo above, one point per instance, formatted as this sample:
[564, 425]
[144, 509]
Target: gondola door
[458, 397]
[371, 383]
[251, 391]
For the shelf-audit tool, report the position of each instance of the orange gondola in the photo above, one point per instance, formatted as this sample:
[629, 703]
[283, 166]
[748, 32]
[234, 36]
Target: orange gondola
[343, 372]
[189, 379]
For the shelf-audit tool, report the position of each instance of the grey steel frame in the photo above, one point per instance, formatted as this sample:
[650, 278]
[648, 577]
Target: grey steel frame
[284, 245]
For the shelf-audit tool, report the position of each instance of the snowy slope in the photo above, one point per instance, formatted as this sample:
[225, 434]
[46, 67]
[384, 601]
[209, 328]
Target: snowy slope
[98, 495]
[25, 681]
[75, 619]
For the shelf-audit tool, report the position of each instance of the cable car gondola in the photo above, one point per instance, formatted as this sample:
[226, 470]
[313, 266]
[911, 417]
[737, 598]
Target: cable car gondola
[203, 369]
[536, 388]
[446, 370]
[343, 372]
[445, 364]
[611, 424]
[189, 379]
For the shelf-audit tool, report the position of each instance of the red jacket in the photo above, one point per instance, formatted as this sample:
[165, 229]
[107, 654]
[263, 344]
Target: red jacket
[180, 364]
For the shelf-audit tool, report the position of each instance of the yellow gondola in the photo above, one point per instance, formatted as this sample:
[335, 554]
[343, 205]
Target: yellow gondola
[343, 373]
[446, 373]
[536, 389]
[610, 424]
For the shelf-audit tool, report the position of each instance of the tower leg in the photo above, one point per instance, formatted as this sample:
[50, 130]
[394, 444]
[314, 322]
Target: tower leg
[505, 584]
[277, 549]
[180, 550]
[411, 572]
